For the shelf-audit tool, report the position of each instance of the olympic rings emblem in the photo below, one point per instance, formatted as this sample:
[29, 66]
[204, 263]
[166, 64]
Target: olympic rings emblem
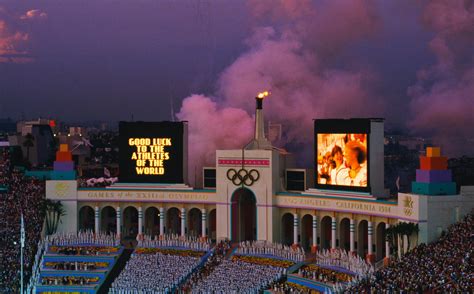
[243, 176]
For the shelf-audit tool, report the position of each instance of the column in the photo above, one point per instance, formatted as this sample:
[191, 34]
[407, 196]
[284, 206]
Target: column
[295, 229]
[386, 260]
[183, 222]
[370, 254]
[314, 246]
[352, 236]
[119, 222]
[162, 221]
[96, 220]
[140, 223]
[203, 223]
[333, 233]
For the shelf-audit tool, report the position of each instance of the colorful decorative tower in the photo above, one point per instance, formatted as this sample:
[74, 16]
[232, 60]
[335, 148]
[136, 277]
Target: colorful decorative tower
[433, 177]
[63, 165]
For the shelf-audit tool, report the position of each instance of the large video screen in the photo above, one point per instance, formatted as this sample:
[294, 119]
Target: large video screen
[151, 152]
[342, 157]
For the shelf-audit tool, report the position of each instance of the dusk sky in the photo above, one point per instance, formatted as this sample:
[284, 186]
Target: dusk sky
[411, 62]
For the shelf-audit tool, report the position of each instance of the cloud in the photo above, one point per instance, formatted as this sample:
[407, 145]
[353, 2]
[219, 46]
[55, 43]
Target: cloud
[442, 102]
[12, 42]
[34, 14]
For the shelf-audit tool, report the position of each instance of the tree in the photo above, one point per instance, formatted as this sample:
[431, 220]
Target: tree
[28, 143]
[54, 210]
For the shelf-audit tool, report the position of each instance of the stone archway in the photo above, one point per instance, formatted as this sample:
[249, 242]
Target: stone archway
[130, 223]
[306, 231]
[243, 215]
[212, 224]
[362, 236]
[152, 221]
[108, 220]
[173, 221]
[344, 234]
[287, 228]
[380, 242]
[195, 222]
[326, 232]
[86, 218]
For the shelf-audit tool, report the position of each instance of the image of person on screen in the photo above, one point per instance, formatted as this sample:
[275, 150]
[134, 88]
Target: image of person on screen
[337, 177]
[355, 155]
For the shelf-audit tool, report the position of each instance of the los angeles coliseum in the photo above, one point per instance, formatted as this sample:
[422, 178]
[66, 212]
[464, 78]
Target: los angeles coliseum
[256, 193]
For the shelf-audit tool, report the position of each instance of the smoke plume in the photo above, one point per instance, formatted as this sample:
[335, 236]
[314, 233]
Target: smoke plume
[294, 57]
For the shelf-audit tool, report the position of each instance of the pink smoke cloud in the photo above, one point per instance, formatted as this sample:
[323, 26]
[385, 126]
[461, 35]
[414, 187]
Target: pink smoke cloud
[291, 60]
[212, 127]
[443, 98]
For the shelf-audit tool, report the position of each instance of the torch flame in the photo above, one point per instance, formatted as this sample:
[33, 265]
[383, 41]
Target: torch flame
[263, 94]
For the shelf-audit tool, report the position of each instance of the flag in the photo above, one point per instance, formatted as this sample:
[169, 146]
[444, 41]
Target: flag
[106, 172]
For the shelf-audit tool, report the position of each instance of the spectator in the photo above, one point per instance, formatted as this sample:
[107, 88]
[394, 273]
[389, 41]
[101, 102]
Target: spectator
[24, 195]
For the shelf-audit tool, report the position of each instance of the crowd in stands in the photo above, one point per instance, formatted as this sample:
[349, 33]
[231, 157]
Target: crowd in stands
[83, 237]
[69, 280]
[324, 275]
[173, 240]
[35, 270]
[238, 277]
[283, 287]
[23, 195]
[269, 248]
[76, 265]
[218, 254]
[444, 266]
[153, 273]
[343, 259]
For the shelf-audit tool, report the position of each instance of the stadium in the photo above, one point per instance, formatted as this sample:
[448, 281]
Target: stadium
[255, 194]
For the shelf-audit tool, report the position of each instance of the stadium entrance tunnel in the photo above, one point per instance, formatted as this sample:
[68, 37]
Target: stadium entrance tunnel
[326, 233]
[306, 231]
[152, 221]
[173, 221]
[212, 225]
[344, 234]
[130, 223]
[108, 220]
[243, 215]
[362, 236]
[194, 222]
[86, 219]
[381, 235]
[287, 229]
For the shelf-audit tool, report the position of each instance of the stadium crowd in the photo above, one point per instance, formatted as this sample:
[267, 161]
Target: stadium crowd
[83, 237]
[218, 254]
[269, 248]
[444, 266]
[153, 273]
[22, 195]
[238, 277]
[284, 287]
[342, 259]
[174, 240]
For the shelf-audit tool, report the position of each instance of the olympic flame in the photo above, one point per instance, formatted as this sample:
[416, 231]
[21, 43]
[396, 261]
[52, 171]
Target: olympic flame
[263, 94]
